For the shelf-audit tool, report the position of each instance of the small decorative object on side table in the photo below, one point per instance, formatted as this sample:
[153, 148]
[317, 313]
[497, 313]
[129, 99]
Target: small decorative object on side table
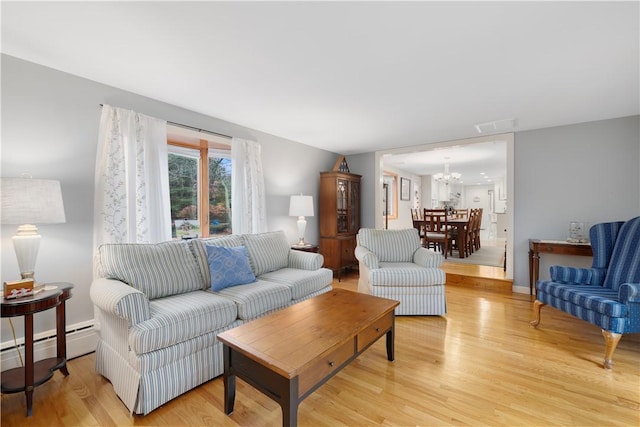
[305, 248]
[33, 373]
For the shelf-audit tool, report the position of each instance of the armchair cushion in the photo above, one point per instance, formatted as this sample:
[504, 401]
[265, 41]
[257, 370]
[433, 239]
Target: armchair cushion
[595, 298]
[390, 245]
[574, 275]
[409, 275]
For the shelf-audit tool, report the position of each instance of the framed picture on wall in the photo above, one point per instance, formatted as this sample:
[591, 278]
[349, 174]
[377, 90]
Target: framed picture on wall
[405, 189]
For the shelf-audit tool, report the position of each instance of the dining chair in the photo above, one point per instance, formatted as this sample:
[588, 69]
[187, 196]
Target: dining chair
[415, 214]
[461, 213]
[438, 234]
[470, 233]
[477, 231]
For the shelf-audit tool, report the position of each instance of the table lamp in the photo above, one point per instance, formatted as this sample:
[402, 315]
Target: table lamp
[301, 206]
[28, 201]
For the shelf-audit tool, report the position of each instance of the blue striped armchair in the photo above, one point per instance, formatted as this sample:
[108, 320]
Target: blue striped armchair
[608, 293]
[393, 264]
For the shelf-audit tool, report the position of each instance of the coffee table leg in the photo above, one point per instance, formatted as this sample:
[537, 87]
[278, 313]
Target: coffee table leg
[229, 380]
[391, 340]
[290, 404]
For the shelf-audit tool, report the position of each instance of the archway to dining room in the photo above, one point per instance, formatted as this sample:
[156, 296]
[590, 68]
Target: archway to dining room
[462, 174]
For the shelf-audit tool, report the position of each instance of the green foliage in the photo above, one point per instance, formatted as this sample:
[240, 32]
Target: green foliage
[183, 189]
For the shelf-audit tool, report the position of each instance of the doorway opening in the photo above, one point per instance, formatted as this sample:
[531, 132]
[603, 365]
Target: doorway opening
[468, 158]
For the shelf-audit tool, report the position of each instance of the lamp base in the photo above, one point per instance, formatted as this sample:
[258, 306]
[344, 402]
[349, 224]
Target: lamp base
[26, 244]
[302, 225]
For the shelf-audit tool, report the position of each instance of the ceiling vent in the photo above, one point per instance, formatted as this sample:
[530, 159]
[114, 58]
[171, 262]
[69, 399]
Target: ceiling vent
[496, 126]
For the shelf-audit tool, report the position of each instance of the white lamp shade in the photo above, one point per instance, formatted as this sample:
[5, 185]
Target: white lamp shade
[31, 201]
[301, 206]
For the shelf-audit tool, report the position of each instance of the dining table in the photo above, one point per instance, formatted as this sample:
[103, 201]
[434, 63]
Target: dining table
[459, 224]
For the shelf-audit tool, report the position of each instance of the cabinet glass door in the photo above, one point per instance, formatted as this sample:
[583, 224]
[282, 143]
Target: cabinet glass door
[342, 205]
[354, 211]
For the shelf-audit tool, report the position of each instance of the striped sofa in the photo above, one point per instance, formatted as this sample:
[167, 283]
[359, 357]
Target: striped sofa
[158, 319]
[394, 265]
[607, 294]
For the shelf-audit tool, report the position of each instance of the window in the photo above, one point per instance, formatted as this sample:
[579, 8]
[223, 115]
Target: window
[199, 210]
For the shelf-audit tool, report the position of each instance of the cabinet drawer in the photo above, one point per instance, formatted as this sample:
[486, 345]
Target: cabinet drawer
[375, 331]
[323, 366]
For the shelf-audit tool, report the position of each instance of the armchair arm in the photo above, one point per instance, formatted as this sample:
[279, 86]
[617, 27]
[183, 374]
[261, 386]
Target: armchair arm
[629, 292]
[575, 275]
[305, 260]
[368, 258]
[426, 258]
[121, 300]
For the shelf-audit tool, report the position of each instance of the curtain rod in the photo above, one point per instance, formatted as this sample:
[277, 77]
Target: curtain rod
[194, 128]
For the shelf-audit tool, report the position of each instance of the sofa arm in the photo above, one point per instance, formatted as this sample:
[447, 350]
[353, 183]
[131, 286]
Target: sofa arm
[368, 258]
[629, 292]
[305, 260]
[574, 275]
[426, 258]
[121, 300]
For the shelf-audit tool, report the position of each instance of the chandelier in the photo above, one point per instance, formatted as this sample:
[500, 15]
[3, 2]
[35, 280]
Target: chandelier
[447, 176]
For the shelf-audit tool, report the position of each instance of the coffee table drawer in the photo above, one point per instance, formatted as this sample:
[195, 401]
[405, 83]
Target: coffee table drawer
[325, 365]
[375, 331]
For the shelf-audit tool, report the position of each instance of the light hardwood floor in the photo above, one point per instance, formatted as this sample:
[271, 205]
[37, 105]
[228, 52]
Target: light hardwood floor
[481, 364]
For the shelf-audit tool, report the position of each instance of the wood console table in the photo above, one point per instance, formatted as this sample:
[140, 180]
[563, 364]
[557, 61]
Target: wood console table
[33, 374]
[558, 247]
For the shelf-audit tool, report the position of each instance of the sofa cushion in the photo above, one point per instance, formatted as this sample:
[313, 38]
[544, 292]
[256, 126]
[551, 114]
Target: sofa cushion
[198, 247]
[258, 298]
[158, 270]
[229, 267]
[178, 318]
[301, 282]
[267, 251]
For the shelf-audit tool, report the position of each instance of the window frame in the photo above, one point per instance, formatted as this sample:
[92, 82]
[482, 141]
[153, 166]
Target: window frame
[203, 147]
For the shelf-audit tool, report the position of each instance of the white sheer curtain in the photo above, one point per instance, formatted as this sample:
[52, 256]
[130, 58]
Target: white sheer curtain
[248, 203]
[131, 202]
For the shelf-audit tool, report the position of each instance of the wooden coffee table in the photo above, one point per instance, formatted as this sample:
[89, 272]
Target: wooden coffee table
[288, 354]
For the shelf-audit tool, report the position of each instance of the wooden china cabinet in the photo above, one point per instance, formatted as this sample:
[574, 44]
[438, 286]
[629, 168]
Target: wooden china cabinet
[339, 216]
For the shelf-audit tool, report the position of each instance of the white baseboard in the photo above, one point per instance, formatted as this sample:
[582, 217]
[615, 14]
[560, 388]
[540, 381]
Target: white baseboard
[82, 338]
[520, 289]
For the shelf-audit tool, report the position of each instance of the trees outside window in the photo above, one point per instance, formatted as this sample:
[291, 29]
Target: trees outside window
[199, 210]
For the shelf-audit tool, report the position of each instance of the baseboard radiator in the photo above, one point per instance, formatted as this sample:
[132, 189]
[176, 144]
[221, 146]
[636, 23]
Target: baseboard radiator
[82, 339]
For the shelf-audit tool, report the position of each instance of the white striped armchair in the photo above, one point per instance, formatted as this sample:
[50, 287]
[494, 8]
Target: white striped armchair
[394, 265]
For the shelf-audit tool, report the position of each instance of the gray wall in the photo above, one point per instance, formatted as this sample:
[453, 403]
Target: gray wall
[585, 172]
[363, 164]
[50, 129]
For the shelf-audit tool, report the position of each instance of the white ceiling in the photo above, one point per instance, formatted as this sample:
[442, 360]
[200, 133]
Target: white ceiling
[480, 163]
[349, 77]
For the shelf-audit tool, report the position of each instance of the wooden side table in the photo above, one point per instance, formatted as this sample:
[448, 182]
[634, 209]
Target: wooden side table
[35, 373]
[558, 247]
[306, 248]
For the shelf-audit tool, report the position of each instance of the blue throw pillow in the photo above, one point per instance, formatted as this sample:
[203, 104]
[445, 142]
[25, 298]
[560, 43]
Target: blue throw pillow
[229, 267]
